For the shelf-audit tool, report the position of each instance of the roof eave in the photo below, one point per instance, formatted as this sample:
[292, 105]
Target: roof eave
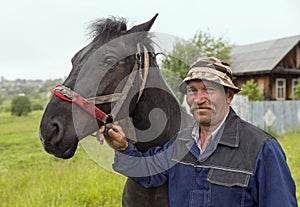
[286, 71]
[263, 72]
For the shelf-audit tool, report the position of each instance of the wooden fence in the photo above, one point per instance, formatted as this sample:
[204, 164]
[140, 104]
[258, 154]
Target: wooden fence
[277, 116]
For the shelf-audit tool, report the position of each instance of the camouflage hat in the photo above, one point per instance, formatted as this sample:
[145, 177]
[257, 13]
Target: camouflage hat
[211, 69]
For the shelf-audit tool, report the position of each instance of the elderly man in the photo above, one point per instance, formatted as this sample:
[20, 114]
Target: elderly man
[221, 161]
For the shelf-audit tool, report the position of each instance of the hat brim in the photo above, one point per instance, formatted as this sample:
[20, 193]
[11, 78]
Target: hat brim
[209, 74]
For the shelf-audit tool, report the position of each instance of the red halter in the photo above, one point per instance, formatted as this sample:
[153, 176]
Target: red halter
[67, 94]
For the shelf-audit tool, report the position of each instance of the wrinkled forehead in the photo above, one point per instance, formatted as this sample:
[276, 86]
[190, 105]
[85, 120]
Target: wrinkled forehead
[197, 83]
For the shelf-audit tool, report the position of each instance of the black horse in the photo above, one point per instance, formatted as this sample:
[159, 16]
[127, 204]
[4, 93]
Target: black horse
[104, 68]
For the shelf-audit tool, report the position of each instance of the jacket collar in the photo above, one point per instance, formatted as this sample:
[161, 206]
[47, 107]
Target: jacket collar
[229, 135]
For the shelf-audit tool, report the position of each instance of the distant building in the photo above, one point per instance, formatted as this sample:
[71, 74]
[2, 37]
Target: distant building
[274, 65]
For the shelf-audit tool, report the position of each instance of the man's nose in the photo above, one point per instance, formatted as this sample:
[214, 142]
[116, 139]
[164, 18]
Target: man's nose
[200, 97]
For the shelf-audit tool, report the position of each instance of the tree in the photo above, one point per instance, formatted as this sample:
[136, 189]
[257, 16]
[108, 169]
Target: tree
[20, 106]
[173, 81]
[184, 53]
[297, 91]
[250, 88]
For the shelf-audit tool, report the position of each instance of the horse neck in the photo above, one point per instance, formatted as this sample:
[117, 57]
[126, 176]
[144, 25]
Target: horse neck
[159, 100]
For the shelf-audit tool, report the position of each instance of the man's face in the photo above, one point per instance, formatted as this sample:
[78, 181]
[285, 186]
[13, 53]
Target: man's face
[208, 101]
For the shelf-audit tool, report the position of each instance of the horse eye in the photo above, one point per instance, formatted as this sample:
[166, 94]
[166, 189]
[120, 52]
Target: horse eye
[111, 61]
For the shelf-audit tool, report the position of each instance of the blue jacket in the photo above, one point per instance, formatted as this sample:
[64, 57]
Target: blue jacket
[248, 168]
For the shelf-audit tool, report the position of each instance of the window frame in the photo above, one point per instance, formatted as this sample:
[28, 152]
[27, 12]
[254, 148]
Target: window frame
[294, 84]
[282, 89]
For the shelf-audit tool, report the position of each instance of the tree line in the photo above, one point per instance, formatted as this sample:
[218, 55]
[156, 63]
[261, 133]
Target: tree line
[22, 96]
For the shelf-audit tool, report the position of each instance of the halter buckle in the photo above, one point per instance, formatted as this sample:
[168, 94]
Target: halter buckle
[65, 92]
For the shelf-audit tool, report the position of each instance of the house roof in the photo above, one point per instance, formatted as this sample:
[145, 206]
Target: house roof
[262, 56]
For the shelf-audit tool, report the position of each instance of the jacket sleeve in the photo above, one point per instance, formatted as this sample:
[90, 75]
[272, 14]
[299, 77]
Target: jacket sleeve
[274, 185]
[149, 169]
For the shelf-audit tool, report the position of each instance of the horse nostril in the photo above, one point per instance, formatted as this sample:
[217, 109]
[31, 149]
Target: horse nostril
[54, 129]
[53, 133]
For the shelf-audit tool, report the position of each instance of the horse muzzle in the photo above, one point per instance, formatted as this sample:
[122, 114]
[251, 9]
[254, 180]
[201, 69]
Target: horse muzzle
[59, 151]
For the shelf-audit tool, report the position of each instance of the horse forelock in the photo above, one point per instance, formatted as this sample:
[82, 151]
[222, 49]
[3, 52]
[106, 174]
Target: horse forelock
[106, 28]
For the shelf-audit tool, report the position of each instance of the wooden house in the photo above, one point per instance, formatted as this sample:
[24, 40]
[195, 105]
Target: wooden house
[274, 65]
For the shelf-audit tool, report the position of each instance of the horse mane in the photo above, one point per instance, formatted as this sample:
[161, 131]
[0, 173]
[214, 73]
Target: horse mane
[105, 28]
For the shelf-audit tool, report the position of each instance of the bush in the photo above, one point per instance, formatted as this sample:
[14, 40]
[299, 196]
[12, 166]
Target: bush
[296, 95]
[250, 88]
[20, 106]
[37, 107]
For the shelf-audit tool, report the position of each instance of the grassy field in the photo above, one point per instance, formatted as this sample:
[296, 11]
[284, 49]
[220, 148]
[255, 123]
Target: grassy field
[291, 145]
[31, 177]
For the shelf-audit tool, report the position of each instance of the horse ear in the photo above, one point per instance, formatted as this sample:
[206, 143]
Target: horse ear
[143, 27]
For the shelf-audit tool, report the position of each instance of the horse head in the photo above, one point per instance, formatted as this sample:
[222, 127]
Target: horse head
[102, 68]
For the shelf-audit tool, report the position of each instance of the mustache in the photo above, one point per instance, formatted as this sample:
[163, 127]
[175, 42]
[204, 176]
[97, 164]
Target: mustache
[201, 106]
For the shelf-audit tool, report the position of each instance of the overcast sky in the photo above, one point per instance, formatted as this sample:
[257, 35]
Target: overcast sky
[39, 37]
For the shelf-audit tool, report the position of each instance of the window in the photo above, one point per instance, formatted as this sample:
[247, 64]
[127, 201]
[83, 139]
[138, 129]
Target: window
[280, 89]
[294, 84]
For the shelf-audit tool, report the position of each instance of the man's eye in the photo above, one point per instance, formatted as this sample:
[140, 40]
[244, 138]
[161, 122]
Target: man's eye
[191, 90]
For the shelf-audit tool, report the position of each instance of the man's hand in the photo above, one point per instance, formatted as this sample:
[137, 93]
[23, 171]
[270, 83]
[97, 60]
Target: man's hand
[115, 137]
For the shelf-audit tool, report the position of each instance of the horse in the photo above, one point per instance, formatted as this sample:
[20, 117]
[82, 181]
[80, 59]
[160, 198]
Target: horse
[101, 72]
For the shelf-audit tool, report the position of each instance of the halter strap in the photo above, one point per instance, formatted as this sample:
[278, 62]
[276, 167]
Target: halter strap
[137, 68]
[146, 71]
[107, 98]
[67, 94]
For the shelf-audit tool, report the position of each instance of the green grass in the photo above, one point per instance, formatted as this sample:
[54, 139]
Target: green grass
[291, 145]
[31, 177]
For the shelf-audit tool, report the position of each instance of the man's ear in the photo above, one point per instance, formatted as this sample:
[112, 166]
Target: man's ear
[229, 95]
